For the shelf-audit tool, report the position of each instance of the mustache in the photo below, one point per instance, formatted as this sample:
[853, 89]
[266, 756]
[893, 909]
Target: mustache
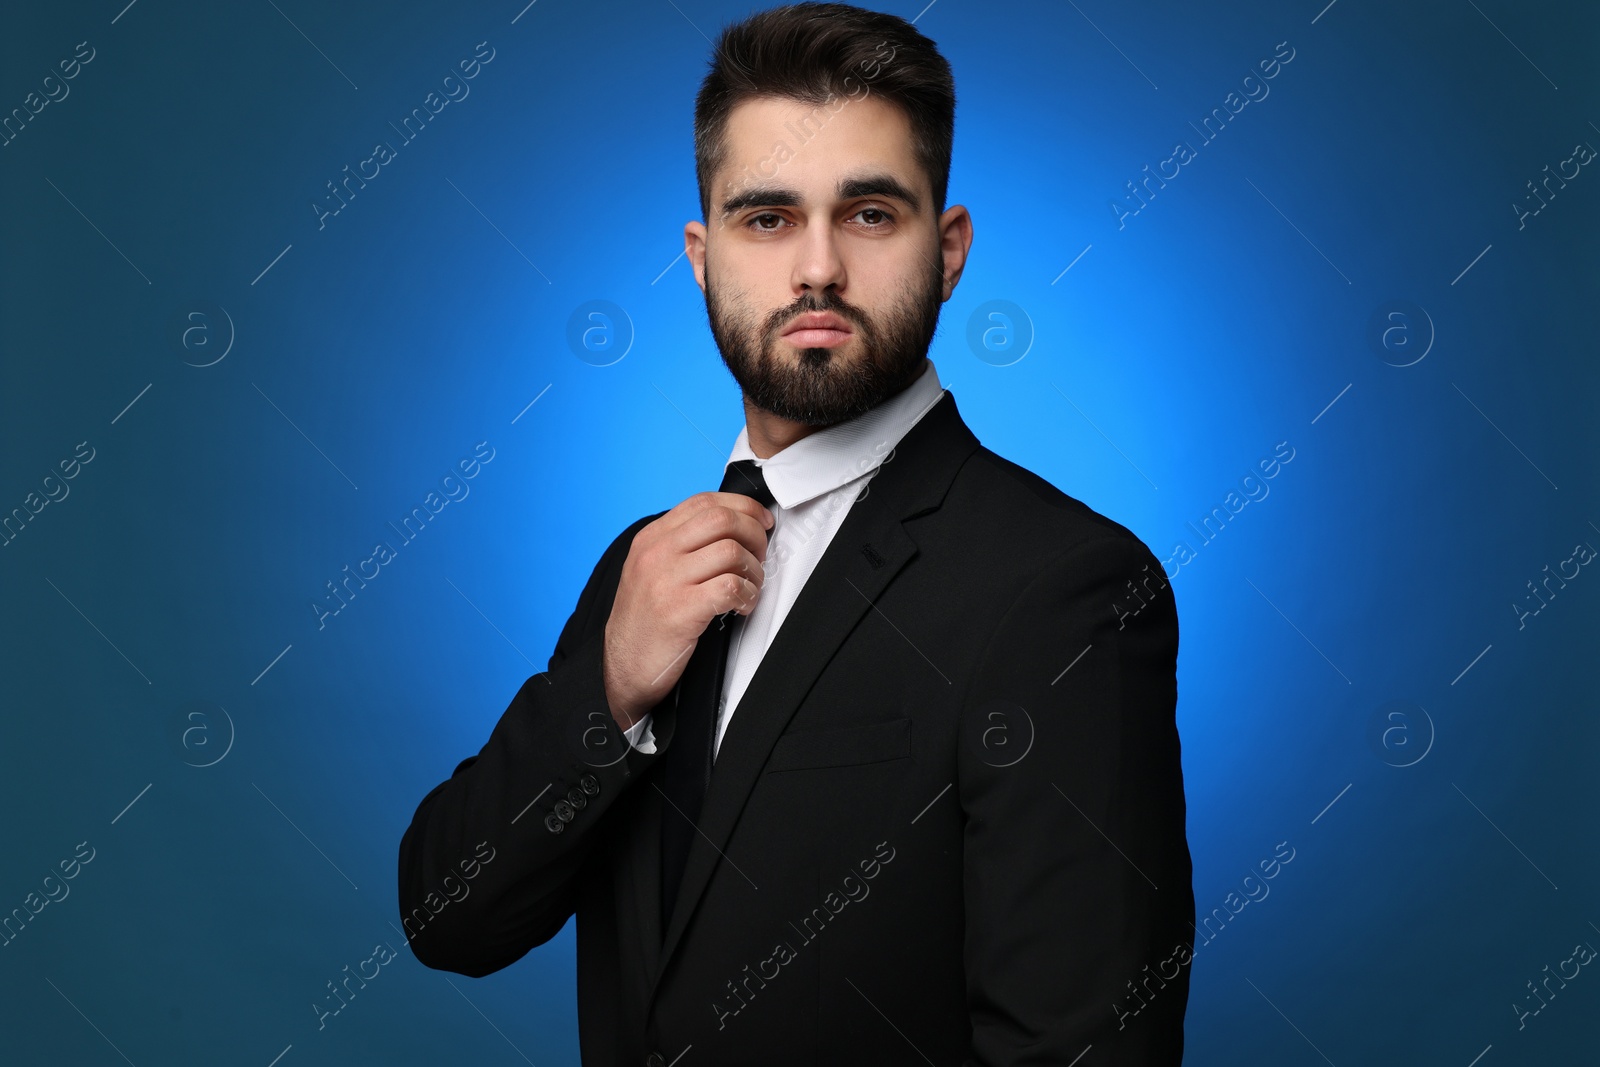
[783, 316]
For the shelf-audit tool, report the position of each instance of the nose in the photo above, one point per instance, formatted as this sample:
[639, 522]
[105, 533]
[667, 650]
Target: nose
[818, 264]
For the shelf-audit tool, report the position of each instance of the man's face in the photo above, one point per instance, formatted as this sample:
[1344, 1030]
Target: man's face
[837, 222]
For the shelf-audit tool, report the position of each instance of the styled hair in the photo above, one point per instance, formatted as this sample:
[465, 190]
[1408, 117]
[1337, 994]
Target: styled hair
[815, 53]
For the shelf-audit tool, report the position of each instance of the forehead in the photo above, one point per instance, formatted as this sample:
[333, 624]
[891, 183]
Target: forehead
[780, 141]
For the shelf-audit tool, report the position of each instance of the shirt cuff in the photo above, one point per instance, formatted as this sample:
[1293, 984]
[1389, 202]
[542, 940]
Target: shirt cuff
[640, 736]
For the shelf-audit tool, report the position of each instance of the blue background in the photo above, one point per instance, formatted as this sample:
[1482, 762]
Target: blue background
[243, 776]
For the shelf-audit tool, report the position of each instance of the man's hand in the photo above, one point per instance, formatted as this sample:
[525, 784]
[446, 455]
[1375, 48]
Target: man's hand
[702, 558]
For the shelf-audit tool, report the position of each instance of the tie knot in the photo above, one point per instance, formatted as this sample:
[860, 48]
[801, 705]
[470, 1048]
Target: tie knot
[744, 476]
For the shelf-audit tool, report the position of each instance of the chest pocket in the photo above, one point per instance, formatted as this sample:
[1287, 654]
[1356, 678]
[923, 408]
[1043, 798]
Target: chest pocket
[876, 742]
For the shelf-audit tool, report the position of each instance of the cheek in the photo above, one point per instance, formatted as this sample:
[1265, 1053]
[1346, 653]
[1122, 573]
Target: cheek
[903, 274]
[729, 274]
[732, 305]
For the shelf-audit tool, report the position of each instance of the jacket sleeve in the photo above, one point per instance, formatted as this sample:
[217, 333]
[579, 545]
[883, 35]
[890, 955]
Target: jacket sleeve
[1078, 894]
[489, 867]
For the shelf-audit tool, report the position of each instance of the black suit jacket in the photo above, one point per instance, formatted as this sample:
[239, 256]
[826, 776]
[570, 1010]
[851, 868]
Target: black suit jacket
[946, 822]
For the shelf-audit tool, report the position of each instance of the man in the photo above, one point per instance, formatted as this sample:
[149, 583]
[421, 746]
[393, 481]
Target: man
[870, 756]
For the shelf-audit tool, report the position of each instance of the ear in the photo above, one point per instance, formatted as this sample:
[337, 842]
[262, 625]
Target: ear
[955, 240]
[694, 244]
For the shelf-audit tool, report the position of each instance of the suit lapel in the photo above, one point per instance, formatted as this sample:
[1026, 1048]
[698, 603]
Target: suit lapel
[869, 550]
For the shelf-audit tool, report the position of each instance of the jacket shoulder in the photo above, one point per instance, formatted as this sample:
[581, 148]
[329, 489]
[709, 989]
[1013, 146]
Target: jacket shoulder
[1034, 507]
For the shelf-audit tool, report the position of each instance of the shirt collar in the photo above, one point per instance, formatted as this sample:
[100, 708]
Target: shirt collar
[825, 459]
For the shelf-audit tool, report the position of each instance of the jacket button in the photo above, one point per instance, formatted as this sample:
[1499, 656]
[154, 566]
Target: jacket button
[655, 1059]
[590, 785]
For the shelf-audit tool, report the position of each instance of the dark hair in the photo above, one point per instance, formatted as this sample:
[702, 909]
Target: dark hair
[810, 52]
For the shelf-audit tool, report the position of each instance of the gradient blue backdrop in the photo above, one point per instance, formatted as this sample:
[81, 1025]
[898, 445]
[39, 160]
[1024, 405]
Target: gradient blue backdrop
[242, 776]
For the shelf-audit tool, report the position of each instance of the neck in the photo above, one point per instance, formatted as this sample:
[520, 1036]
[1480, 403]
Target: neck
[770, 434]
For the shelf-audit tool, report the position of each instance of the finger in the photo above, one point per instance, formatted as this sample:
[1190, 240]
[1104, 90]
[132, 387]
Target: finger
[695, 505]
[727, 592]
[715, 522]
[727, 556]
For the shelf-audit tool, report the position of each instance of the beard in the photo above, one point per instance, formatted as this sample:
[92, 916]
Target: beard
[824, 386]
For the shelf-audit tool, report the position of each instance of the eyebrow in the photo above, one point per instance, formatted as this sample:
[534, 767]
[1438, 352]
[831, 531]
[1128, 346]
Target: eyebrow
[849, 188]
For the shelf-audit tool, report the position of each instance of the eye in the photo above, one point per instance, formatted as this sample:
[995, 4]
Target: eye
[882, 219]
[751, 222]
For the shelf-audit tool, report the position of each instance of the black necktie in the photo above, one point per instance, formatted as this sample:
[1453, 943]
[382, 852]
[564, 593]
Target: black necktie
[686, 765]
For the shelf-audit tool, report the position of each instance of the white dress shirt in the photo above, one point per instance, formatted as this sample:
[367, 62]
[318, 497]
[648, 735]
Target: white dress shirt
[813, 483]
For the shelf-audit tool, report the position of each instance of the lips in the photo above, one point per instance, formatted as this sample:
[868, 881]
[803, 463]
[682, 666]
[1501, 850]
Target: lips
[817, 329]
